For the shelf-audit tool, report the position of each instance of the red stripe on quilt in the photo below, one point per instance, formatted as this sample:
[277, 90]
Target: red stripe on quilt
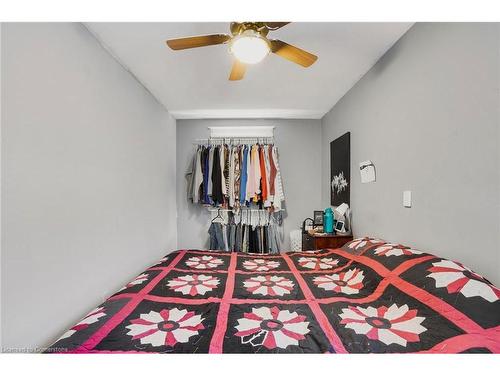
[321, 318]
[217, 341]
[489, 338]
[116, 319]
[372, 263]
[449, 312]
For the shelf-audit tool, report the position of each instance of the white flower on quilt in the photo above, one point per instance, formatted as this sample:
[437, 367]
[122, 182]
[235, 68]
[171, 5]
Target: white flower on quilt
[458, 278]
[138, 280]
[272, 327]
[349, 282]
[361, 242]
[167, 327]
[193, 284]
[389, 249]
[269, 285]
[204, 262]
[90, 318]
[393, 325]
[318, 263]
[261, 265]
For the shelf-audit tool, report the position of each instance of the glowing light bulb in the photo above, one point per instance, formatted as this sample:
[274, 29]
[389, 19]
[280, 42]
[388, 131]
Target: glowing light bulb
[249, 47]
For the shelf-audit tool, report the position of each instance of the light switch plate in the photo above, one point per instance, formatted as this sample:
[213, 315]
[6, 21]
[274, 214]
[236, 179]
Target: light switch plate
[407, 198]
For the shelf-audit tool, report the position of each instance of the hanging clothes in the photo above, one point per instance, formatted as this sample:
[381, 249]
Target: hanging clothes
[263, 173]
[217, 195]
[250, 189]
[250, 234]
[210, 171]
[230, 181]
[225, 150]
[206, 168]
[234, 176]
[243, 178]
[222, 164]
[237, 176]
[190, 177]
[278, 186]
[272, 173]
[257, 176]
[215, 233]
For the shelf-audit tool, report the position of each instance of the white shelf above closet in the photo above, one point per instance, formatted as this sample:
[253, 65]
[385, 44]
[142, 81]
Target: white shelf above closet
[241, 131]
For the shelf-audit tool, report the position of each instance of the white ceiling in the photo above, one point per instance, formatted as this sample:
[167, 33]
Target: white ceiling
[194, 83]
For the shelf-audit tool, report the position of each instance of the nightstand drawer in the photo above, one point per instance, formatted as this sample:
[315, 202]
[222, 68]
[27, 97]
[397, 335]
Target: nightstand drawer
[324, 242]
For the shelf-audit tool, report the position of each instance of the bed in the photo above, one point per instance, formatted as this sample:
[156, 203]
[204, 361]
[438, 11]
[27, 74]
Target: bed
[368, 297]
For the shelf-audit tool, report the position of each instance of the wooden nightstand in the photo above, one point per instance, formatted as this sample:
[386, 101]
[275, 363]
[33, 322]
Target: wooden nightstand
[329, 241]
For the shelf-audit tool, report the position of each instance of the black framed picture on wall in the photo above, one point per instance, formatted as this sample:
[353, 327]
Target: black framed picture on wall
[340, 170]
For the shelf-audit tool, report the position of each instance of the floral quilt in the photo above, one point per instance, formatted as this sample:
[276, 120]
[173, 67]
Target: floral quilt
[367, 297]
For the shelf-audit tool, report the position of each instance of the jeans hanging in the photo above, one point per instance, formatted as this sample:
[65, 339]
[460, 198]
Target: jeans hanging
[216, 236]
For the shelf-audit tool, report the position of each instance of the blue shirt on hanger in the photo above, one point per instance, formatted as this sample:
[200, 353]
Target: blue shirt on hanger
[243, 178]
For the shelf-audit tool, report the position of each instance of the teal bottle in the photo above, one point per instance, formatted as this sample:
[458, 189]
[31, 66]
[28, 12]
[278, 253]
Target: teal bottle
[328, 221]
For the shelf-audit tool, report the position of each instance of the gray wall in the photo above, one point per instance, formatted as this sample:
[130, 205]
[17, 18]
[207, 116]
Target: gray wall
[299, 143]
[88, 171]
[427, 115]
[1, 27]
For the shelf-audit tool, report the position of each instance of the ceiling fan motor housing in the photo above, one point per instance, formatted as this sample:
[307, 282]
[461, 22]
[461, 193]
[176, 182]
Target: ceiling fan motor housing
[238, 28]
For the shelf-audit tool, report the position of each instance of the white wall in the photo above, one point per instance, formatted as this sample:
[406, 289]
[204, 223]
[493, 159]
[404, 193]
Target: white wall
[1, 26]
[427, 115]
[298, 142]
[88, 172]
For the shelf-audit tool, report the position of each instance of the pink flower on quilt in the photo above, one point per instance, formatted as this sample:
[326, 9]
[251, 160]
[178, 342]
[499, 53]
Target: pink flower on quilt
[204, 262]
[458, 278]
[167, 327]
[90, 318]
[393, 325]
[193, 284]
[260, 264]
[318, 263]
[394, 249]
[138, 280]
[361, 242]
[269, 285]
[272, 327]
[349, 282]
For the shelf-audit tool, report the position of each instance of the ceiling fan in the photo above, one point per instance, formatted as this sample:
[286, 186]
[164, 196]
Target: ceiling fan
[249, 44]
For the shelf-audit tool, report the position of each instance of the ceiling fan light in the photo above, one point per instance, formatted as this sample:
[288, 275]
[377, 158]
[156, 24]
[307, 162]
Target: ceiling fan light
[249, 48]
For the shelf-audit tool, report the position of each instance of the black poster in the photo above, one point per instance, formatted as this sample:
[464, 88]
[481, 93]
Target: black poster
[340, 170]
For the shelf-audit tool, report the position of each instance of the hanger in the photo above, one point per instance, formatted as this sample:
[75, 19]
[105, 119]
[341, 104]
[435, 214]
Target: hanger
[218, 216]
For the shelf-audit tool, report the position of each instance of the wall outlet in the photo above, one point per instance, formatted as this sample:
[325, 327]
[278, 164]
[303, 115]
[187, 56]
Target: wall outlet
[407, 198]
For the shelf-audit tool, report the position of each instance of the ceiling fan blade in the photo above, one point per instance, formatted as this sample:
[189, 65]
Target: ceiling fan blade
[237, 71]
[294, 54]
[197, 41]
[275, 25]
